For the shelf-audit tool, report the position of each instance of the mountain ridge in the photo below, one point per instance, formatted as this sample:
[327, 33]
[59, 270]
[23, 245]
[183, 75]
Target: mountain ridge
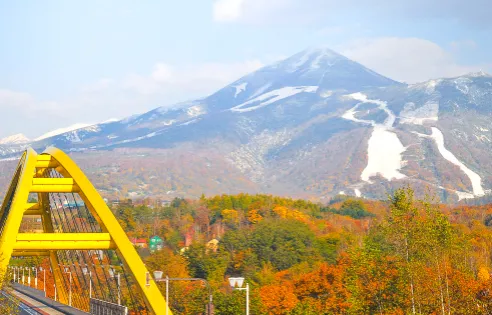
[318, 123]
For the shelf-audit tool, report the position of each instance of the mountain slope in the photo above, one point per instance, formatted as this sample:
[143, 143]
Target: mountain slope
[15, 139]
[316, 124]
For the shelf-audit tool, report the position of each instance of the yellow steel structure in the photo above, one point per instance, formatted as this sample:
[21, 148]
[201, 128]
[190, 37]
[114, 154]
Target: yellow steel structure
[29, 178]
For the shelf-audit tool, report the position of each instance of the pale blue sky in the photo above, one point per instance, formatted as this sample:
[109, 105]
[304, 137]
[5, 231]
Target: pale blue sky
[88, 61]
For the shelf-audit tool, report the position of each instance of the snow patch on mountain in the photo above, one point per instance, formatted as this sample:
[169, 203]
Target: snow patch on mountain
[462, 84]
[168, 122]
[15, 139]
[429, 87]
[417, 116]
[478, 74]
[464, 195]
[195, 111]
[326, 93]
[316, 56]
[250, 158]
[482, 138]
[475, 179]
[190, 122]
[76, 135]
[384, 149]
[384, 154]
[272, 97]
[261, 90]
[111, 120]
[240, 88]
[62, 130]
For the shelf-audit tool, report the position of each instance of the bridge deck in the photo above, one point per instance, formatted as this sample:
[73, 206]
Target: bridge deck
[36, 305]
[36, 300]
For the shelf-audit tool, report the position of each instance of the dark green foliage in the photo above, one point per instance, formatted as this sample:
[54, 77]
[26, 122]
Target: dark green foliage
[352, 208]
[283, 243]
[488, 220]
[328, 248]
[338, 198]
[203, 263]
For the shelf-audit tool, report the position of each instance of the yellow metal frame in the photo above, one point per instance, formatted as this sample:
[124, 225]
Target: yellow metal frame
[31, 180]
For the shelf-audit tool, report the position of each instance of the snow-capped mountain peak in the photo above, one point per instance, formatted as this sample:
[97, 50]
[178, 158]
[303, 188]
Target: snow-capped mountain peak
[15, 139]
[478, 74]
[315, 123]
[313, 59]
[60, 131]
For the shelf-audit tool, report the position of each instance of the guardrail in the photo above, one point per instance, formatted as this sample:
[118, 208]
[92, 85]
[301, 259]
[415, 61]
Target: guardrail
[99, 307]
[39, 296]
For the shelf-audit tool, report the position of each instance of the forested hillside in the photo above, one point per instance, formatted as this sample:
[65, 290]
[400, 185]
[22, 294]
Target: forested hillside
[401, 256]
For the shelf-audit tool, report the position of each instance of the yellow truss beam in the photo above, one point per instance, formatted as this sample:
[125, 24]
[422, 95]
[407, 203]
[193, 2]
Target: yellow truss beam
[63, 241]
[29, 178]
[33, 209]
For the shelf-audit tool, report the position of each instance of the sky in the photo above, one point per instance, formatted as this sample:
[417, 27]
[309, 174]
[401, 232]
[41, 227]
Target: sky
[67, 62]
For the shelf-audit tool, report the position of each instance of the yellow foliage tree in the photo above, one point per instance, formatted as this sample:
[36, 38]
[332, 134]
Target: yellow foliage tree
[254, 216]
[278, 299]
[230, 217]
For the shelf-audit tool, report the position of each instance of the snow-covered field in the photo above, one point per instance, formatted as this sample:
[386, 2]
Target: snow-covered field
[384, 155]
[272, 97]
[15, 139]
[475, 179]
[411, 115]
[240, 88]
[63, 130]
[384, 148]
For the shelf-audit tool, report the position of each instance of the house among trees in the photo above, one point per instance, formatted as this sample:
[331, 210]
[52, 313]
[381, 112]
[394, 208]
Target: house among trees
[140, 242]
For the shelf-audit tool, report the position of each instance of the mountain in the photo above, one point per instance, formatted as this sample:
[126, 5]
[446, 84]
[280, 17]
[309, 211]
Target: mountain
[15, 139]
[60, 131]
[313, 125]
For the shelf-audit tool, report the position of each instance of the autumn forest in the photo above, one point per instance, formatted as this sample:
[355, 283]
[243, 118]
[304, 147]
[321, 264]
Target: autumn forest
[350, 256]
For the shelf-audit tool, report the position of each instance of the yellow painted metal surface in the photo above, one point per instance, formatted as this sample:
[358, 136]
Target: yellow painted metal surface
[103, 214]
[32, 180]
[44, 204]
[33, 212]
[19, 202]
[32, 206]
[64, 241]
[53, 181]
[47, 164]
[65, 245]
[54, 188]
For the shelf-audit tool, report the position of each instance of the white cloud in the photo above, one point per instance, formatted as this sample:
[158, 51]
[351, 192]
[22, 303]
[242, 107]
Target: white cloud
[227, 10]
[406, 59]
[192, 80]
[25, 103]
[22, 112]
[106, 98]
[13, 99]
